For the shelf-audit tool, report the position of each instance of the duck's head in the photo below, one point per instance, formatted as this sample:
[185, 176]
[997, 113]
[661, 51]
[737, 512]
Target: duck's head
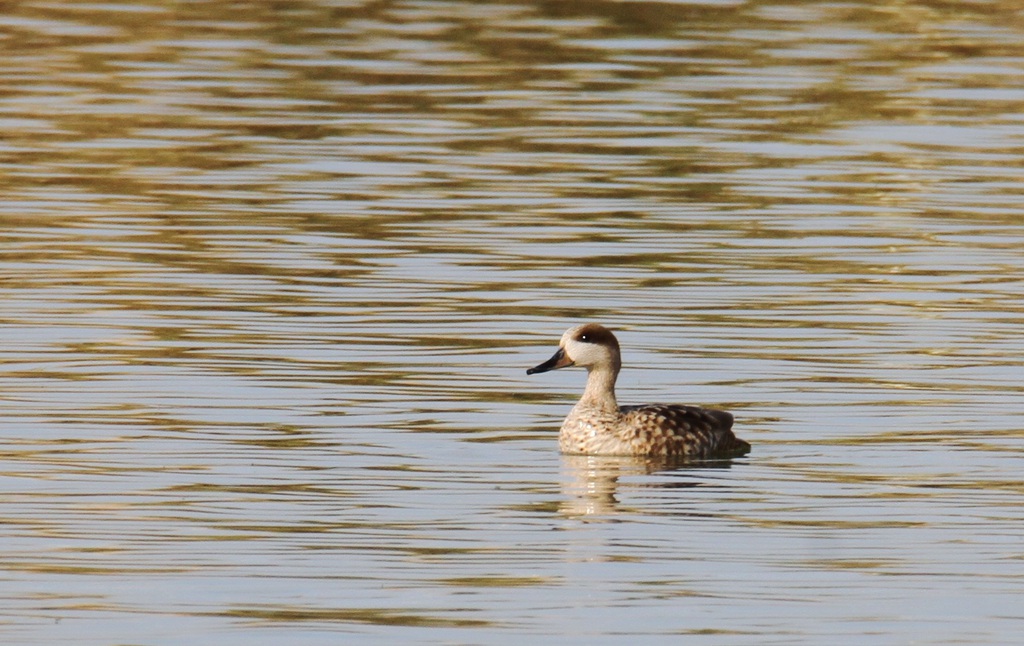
[589, 345]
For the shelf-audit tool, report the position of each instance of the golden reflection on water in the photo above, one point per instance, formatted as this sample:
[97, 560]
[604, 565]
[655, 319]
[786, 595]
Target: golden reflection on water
[381, 616]
[269, 274]
[591, 485]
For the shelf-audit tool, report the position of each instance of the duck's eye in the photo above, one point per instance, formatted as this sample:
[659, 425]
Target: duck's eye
[585, 338]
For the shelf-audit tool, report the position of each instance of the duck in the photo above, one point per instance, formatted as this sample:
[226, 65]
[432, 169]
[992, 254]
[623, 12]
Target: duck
[597, 425]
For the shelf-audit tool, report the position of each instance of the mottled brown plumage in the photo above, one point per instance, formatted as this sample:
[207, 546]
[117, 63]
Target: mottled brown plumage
[597, 425]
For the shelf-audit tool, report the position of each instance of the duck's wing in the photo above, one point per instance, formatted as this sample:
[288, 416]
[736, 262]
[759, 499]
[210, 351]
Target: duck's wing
[688, 431]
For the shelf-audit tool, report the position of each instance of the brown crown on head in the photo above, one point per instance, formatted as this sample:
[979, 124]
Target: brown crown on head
[595, 333]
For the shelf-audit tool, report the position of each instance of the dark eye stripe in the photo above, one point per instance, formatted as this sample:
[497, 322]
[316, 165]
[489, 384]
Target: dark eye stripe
[597, 335]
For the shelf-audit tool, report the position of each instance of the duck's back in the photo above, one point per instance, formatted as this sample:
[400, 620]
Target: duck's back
[685, 431]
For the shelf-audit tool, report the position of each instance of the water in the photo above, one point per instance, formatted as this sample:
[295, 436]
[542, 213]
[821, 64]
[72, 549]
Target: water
[271, 275]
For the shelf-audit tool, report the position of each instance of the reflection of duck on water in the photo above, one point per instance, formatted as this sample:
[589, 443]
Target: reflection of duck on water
[597, 425]
[591, 485]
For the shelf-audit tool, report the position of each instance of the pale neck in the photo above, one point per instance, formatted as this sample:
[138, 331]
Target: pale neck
[600, 391]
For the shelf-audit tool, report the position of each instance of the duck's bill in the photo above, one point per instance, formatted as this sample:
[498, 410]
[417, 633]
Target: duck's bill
[558, 360]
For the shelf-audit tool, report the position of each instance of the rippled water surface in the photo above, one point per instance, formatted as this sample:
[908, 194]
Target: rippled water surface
[271, 273]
